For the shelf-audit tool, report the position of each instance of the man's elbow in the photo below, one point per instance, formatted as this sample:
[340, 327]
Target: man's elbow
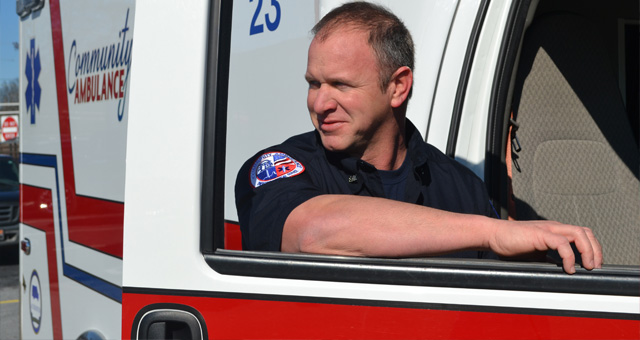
[299, 237]
[301, 228]
[316, 241]
[315, 228]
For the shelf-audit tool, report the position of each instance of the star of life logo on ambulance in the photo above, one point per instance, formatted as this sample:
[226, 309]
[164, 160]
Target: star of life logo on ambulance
[101, 74]
[274, 165]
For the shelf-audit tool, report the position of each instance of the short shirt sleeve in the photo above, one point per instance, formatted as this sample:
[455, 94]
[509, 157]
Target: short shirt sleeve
[268, 188]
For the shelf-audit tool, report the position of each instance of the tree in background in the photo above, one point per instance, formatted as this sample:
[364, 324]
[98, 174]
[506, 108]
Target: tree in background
[9, 94]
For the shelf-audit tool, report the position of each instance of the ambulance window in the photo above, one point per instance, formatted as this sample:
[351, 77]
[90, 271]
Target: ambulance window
[256, 98]
[266, 97]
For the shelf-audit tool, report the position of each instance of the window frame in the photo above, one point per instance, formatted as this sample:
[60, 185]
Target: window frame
[215, 126]
[437, 272]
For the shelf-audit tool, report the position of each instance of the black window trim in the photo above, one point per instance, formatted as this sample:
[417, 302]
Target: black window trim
[438, 272]
[464, 79]
[215, 126]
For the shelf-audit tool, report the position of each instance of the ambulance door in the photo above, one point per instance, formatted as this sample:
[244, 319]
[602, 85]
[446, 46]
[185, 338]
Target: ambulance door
[462, 48]
[206, 101]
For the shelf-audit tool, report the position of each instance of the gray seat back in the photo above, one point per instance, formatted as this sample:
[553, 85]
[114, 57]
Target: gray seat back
[579, 161]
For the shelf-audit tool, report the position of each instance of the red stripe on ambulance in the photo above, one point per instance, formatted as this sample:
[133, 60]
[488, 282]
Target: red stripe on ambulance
[37, 212]
[92, 222]
[230, 318]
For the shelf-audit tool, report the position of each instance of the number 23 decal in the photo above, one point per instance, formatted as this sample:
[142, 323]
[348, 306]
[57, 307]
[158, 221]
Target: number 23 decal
[271, 25]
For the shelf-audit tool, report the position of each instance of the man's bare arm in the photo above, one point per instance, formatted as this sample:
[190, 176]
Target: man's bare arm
[368, 226]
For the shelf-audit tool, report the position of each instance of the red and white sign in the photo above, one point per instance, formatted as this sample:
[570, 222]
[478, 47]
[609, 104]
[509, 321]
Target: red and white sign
[9, 128]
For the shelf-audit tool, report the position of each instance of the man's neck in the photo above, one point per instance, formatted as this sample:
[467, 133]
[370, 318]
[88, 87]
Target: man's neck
[390, 161]
[387, 155]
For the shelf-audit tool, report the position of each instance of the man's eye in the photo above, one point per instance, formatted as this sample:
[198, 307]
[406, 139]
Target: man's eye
[313, 84]
[340, 85]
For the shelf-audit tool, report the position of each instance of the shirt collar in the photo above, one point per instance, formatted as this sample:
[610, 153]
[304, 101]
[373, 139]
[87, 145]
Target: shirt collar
[415, 150]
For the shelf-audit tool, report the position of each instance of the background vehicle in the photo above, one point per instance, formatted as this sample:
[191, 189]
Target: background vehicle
[206, 86]
[9, 199]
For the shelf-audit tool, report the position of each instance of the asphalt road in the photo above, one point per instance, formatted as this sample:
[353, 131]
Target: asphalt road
[9, 294]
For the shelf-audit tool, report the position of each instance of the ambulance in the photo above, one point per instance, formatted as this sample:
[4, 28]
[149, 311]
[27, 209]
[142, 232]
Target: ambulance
[137, 115]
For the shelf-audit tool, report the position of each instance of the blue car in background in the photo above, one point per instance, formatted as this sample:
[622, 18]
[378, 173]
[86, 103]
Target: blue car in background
[9, 201]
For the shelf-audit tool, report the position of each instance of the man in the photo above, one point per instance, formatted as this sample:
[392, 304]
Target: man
[364, 183]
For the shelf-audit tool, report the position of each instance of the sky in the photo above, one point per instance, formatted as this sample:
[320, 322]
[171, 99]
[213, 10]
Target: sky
[9, 33]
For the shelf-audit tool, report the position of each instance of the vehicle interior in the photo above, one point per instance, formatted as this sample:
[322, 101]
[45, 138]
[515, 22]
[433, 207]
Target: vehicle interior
[570, 134]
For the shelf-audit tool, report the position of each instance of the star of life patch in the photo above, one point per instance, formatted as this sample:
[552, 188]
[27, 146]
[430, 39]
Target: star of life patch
[274, 165]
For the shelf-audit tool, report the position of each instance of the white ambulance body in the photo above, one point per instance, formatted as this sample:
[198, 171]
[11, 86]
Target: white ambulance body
[129, 156]
[75, 75]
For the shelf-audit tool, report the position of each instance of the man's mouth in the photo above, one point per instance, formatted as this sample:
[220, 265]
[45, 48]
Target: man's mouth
[331, 125]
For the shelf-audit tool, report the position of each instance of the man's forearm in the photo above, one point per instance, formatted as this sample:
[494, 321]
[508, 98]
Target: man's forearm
[368, 226]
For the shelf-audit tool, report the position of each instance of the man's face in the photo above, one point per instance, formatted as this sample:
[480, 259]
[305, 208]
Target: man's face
[345, 101]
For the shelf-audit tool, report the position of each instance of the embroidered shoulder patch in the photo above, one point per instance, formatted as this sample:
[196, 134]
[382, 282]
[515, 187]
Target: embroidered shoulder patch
[274, 165]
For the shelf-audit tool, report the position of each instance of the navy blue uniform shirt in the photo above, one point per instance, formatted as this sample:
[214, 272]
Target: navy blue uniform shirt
[278, 179]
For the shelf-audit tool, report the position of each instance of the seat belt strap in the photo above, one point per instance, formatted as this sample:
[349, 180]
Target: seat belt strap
[513, 145]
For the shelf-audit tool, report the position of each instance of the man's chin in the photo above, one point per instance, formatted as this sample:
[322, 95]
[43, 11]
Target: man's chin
[339, 145]
[334, 148]
[334, 144]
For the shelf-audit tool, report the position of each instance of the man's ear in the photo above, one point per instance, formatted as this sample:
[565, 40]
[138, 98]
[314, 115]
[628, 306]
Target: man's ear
[401, 82]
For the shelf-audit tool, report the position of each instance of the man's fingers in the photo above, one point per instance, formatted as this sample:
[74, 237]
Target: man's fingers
[586, 243]
[597, 248]
[585, 247]
[562, 245]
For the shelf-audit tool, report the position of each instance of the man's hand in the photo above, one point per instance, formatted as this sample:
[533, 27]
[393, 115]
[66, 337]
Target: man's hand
[517, 238]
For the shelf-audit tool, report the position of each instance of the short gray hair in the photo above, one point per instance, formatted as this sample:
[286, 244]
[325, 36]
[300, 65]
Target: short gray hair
[388, 36]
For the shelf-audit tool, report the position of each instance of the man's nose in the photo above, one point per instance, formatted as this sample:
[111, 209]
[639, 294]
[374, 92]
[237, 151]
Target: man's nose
[324, 102]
